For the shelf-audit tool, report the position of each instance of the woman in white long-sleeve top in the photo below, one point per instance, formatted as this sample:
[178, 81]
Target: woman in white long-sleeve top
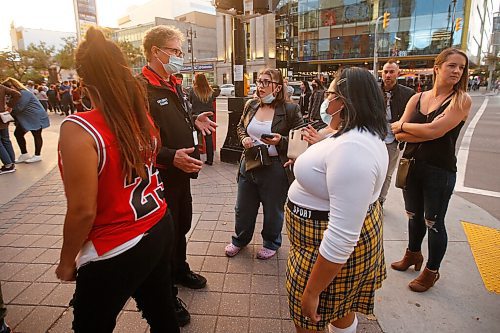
[334, 220]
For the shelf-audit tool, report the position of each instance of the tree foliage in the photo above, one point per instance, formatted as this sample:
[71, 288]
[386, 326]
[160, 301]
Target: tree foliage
[65, 58]
[132, 53]
[38, 57]
[27, 64]
[10, 65]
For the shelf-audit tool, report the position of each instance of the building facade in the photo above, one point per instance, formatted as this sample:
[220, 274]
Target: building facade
[199, 46]
[260, 46]
[317, 36]
[22, 37]
[85, 16]
[143, 14]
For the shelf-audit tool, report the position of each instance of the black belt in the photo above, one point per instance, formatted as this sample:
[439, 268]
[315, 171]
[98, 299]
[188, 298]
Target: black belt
[307, 213]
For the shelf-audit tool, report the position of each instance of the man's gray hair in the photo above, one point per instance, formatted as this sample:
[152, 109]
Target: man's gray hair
[157, 36]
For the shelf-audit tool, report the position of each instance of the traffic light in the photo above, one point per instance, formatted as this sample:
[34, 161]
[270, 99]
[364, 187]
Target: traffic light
[385, 22]
[458, 23]
[246, 84]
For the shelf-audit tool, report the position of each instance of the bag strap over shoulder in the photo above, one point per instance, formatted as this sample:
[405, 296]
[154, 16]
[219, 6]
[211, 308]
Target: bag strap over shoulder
[418, 102]
[289, 107]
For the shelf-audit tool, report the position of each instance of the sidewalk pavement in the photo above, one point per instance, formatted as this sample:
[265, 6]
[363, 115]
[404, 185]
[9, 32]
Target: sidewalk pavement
[243, 293]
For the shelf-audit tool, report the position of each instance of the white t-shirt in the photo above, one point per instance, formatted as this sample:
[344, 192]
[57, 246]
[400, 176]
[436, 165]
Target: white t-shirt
[343, 176]
[88, 252]
[256, 128]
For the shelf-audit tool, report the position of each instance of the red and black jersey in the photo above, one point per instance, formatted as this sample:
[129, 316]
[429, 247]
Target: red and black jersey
[124, 209]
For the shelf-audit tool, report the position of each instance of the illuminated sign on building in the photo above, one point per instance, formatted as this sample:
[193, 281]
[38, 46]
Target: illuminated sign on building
[202, 67]
[85, 16]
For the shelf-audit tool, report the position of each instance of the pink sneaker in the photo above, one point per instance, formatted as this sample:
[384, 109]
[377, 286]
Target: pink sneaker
[265, 254]
[232, 250]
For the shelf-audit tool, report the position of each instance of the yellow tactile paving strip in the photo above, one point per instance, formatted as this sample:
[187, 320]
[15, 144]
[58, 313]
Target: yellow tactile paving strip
[485, 245]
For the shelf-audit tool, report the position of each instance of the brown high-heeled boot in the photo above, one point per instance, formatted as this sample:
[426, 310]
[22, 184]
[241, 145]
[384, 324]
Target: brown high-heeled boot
[424, 281]
[410, 258]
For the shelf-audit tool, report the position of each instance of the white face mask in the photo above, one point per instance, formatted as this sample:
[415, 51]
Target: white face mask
[268, 99]
[174, 65]
[323, 112]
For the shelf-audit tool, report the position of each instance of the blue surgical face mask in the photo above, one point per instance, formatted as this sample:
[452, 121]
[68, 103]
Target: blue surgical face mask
[268, 99]
[323, 112]
[174, 65]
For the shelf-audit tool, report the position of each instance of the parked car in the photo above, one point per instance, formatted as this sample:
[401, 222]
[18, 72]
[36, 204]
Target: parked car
[252, 89]
[227, 89]
[216, 90]
[296, 90]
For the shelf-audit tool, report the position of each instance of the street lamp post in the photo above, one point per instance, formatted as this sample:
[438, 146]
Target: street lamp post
[454, 2]
[190, 34]
[375, 49]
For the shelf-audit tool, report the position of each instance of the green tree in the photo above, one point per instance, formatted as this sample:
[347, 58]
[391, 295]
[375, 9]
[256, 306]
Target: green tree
[11, 65]
[132, 54]
[37, 57]
[65, 58]
[31, 62]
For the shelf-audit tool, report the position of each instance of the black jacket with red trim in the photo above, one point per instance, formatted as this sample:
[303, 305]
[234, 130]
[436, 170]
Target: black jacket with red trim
[173, 117]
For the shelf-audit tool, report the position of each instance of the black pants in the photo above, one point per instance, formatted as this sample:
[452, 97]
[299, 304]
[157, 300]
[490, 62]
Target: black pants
[66, 105]
[143, 272]
[180, 203]
[54, 105]
[3, 308]
[19, 133]
[45, 104]
[427, 194]
[209, 147]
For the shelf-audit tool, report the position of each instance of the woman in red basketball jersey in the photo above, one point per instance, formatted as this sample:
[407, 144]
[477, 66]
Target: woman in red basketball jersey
[117, 234]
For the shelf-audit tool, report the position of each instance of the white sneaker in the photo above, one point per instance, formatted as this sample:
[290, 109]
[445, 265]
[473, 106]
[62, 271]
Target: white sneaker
[35, 158]
[23, 158]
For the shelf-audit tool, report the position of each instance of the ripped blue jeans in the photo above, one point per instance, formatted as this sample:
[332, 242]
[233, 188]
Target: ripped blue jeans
[427, 195]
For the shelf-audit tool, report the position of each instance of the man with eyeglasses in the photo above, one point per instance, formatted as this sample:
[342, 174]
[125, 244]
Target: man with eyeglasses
[396, 96]
[178, 160]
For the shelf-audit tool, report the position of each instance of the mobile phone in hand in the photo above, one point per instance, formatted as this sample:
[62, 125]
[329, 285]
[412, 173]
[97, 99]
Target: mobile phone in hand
[267, 136]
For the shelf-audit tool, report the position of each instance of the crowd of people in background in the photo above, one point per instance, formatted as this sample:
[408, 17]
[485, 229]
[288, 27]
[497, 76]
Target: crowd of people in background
[29, 105]
[63, 98]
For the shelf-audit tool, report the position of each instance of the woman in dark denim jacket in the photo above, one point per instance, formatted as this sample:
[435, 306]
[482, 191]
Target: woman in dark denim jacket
[431, 125]
[266, 115]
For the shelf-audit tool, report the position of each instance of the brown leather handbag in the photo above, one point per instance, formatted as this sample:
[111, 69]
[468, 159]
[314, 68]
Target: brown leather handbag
[256, 157]
[403, 170]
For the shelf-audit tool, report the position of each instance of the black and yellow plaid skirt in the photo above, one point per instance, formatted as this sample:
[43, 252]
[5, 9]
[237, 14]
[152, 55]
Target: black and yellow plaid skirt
[353, 289]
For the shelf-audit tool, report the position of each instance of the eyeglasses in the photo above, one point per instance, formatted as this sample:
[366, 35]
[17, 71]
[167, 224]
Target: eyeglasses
[264, 83]
[177, 52]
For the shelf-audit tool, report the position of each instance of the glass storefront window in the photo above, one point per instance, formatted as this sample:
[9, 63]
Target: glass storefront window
[422, 22]
[405, 23]
[309, 49]
[329, 17]
[308, 20]
[307, 5]
[406, 8]
[332, 29]
[420, 41]
[440, 21]
[424, 7]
